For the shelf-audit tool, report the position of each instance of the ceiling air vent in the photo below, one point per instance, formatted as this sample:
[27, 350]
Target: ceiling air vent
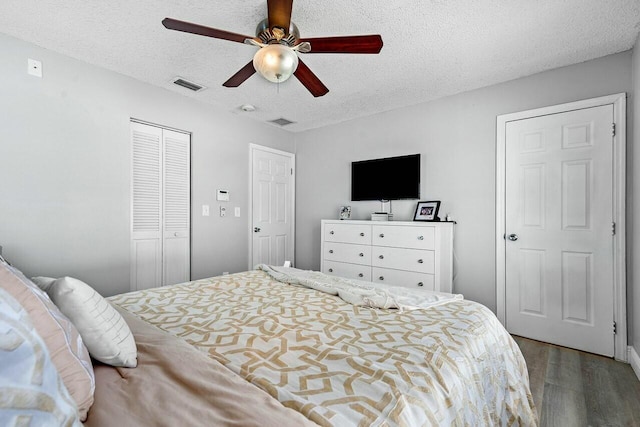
[281, 121]
[187, 84]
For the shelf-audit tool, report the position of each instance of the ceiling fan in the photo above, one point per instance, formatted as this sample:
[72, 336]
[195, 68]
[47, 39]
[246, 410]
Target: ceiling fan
[278, 40]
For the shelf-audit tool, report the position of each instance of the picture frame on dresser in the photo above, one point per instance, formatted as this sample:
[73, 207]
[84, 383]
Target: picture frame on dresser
[427, 211]
[345, 212]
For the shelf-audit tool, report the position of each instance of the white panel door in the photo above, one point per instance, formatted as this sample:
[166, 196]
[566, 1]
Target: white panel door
[177, 212]
[272, 207]
[559, 213]
[146, 206]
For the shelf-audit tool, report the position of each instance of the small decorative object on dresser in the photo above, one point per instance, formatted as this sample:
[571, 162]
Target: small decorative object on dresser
[427, 211]
[345, 212]
[379, 216]
[398, 253]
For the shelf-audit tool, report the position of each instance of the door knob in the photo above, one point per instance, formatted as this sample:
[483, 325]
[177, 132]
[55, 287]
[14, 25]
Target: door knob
[513, 237]
[361, 254]
[361, 234]
[330, 251]
[360, 275]
[420, 284]
[256, 229]
[381, 277]
[381, 256]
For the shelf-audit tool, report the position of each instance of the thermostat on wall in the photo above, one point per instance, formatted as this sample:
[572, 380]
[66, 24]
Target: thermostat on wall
[222, 196]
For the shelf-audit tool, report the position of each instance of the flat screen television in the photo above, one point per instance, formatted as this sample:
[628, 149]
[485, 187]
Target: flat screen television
[391, 178]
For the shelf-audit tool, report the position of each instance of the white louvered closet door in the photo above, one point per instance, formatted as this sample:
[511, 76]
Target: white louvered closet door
[160, 238]
[176, 242]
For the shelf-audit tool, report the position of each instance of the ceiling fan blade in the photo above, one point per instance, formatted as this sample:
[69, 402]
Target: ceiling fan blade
[187, 27]
[238, 78]
[309, 80]
[280, 13]
[345, 44]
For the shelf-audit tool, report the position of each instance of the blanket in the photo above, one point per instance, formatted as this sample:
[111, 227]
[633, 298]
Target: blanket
[360, 293]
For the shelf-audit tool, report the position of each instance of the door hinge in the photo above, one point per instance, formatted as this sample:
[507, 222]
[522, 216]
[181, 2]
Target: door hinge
[613, 129]
[613, 228]
[615, 329]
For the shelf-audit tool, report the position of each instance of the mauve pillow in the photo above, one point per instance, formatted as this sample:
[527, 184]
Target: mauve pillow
[68, 353]
[31, 388]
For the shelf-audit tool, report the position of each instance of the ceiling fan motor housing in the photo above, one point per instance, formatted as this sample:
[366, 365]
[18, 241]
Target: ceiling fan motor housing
[264, 33]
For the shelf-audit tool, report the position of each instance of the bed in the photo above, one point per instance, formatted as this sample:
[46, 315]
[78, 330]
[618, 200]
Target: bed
[246, 349]
[270, 347]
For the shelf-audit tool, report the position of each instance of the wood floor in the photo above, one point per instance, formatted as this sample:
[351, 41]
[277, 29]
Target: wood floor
[573, 388]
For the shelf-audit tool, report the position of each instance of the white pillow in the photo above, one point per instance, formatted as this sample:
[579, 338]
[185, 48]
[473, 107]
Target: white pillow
[103, 330]
[43, 283]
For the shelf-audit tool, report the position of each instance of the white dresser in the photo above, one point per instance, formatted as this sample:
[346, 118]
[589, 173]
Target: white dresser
[409, 254]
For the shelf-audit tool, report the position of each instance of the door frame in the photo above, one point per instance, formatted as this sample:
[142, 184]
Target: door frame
[619, 205]
[252, 149]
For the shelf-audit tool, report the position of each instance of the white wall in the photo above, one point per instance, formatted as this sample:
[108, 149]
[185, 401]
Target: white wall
[65, 168]
[457, 139]
[633, 189]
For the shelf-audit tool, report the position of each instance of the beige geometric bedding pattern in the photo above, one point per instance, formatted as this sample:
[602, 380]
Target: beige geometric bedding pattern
[344, 365]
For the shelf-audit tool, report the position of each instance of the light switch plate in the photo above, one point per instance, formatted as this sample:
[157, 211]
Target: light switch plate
[236, 212]
[205, 210]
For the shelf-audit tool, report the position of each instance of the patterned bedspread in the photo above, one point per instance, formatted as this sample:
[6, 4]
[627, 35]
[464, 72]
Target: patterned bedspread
[344, 365]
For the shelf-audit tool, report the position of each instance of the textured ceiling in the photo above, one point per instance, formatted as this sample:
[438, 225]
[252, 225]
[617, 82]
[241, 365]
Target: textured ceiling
[432, 48]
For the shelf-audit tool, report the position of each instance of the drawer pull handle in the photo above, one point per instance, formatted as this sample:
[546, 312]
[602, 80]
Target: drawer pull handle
[420, 284]
[331, 232]
[381, 256]
[420, 237]
[331, 270]
[381, 235]
[361, 234]
[361, 254]
[330, 251]
[381, 277]
[360, 275]
[420, 261]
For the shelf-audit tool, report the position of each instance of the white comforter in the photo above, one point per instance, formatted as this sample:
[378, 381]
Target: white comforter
[358, 292]
[340, 364]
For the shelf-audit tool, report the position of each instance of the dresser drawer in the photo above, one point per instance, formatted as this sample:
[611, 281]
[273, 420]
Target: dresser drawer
[348, 233]
[406, 279]
[345, 252]
[350, 271]
[403, 259]
[404, 236]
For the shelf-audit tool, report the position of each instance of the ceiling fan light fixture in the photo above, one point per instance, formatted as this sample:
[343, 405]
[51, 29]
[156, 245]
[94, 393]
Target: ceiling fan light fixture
[275, 62]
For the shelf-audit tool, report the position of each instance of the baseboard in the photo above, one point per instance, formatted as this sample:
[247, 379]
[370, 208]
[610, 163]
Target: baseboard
[634, 360]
